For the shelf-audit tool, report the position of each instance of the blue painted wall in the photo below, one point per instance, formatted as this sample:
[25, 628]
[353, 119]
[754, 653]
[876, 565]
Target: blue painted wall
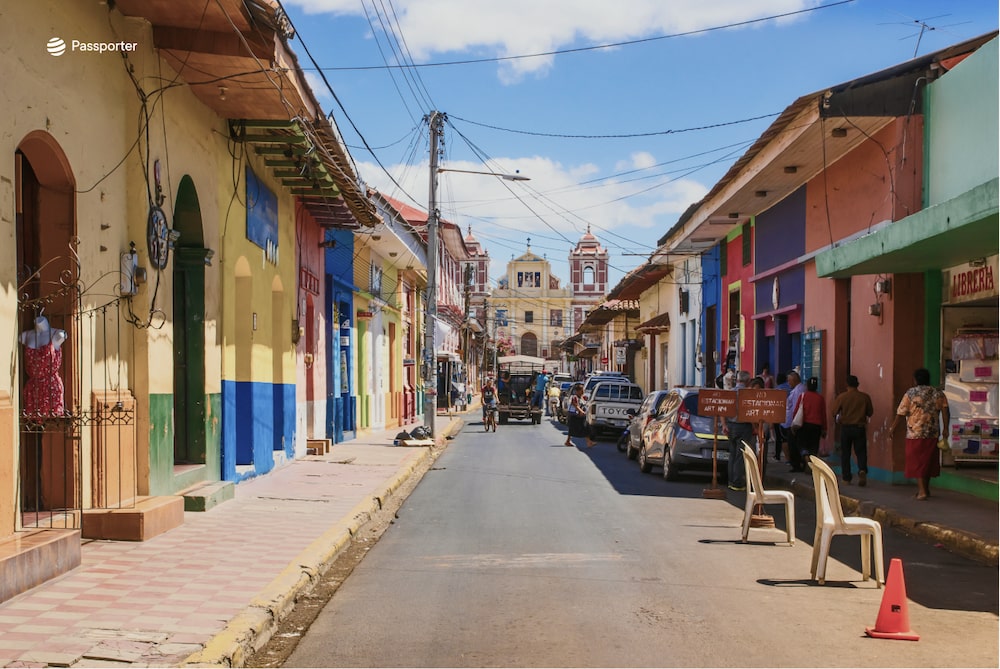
[340, 405]
[255, 424]
[711, 295]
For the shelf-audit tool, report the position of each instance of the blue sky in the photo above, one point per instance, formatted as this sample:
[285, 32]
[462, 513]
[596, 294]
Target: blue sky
[622, 138]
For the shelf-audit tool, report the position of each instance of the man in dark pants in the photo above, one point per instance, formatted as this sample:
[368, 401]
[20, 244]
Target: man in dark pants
[779, 432]
[796, 388]
[739, 432]
[852, 409]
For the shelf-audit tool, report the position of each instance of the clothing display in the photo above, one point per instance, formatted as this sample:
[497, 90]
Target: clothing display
[43, 391]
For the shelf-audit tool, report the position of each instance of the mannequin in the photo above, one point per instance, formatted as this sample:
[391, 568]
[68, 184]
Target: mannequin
[43, 334]
[43, 391]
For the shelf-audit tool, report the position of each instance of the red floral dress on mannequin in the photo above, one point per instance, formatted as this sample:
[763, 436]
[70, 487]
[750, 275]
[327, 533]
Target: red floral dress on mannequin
[43, 391]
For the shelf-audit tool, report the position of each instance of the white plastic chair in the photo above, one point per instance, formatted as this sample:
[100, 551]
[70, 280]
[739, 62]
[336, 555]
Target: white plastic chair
[830, 520]
[757, 495]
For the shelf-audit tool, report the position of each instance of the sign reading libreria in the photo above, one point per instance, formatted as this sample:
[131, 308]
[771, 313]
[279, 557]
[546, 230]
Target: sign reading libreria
[262, 215]
[972, 281]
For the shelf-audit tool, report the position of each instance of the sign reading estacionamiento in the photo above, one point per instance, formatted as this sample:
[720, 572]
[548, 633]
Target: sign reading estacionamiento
[761, 406]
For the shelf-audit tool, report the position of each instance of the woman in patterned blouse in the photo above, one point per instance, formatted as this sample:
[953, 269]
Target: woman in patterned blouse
[921, 405]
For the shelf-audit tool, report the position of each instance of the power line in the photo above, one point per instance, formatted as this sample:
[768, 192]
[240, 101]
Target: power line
[598, 47]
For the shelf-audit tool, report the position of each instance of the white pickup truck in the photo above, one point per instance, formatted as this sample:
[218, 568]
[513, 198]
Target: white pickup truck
[609, 402]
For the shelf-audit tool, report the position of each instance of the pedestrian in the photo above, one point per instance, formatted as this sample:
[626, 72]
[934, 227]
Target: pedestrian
[738, 433]
[795, 390]
[576, 418]
[852, 409]
[921, 405]
[541, 383]
[765, 374]
[813, 429]
[779, 432]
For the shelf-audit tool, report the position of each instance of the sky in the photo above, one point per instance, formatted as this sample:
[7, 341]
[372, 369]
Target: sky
[621, 114]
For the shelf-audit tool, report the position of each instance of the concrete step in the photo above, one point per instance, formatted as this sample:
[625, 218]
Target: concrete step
[149, 517]
[30, 558]
[206, 496]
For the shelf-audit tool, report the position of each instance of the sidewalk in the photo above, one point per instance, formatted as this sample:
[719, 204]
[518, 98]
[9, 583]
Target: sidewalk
[204, 592]
[963, 523]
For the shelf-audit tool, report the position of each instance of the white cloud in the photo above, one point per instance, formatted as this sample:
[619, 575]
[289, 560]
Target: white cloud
[555, 205]
[486, 28]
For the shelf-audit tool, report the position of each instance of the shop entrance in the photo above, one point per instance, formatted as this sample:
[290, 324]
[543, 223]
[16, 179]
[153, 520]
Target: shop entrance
[48, 274]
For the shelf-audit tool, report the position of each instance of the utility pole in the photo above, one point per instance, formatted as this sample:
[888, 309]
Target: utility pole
[436, 122]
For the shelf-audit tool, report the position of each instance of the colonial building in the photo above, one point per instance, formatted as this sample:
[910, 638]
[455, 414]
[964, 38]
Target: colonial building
[530, 309]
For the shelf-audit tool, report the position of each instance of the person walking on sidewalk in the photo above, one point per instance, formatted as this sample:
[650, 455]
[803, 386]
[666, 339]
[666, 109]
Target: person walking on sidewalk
[779, 432]
[852, 409]
[921, 405]
[813, 430]
[795, 390]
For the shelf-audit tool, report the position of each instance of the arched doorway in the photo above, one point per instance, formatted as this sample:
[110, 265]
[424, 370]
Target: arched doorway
[190, 259]
[529, 344]
[48, 275]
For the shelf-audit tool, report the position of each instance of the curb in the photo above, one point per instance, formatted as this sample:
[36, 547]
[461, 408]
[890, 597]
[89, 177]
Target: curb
[250, 629]
[964, 543]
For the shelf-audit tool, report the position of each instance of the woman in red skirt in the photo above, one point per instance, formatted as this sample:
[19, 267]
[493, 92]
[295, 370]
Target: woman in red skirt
[921, 405]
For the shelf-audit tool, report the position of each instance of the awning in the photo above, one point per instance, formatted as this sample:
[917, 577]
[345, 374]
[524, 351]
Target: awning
[655, 325]
[940, 236]
[588, 352]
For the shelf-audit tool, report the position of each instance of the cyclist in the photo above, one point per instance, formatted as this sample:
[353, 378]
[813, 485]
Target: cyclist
[489, 395]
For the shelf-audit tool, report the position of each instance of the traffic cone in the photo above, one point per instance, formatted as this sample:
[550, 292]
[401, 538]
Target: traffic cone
[893, 620]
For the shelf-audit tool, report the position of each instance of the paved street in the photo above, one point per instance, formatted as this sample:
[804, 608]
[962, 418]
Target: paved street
[517, 551]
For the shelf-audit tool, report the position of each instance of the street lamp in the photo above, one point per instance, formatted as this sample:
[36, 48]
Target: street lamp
[505, 177]
[436, 122]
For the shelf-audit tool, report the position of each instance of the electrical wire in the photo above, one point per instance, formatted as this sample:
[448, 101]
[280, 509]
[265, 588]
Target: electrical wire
[601, 47]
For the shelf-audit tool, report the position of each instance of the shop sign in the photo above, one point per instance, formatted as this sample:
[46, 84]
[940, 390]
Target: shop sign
[972, 281]
[365, 315]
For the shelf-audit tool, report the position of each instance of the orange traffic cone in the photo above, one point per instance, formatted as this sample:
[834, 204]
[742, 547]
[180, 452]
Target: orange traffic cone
[893, 617]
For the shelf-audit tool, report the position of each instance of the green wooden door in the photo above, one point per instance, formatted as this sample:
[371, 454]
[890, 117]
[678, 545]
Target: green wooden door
[189, 356]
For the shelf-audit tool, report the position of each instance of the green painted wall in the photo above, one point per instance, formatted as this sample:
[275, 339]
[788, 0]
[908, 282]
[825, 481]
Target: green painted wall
[962, 110]
[162, 480]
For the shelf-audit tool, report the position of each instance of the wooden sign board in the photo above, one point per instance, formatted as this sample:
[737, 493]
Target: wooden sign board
[714, 402]
[761, 406]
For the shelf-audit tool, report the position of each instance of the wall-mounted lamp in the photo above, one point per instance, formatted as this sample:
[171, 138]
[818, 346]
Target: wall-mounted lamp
[838, 132]
[222, 92]
[393, 254]
[875, 309]
[883, 286]
[209, 254]
[376, 238]
[328, 244]
[978, 262]
[791, 169]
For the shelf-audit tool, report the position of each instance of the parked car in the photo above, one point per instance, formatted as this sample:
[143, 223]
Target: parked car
[609, 403]
[678, 438]
[563, 404]
[597, 377]
[641, 417]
